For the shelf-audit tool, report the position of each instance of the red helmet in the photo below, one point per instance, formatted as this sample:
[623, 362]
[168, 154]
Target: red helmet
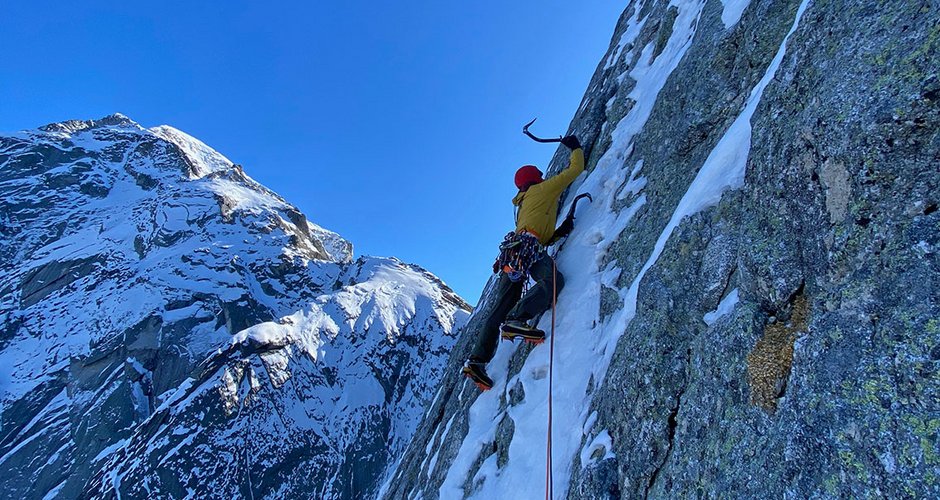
[527, 176]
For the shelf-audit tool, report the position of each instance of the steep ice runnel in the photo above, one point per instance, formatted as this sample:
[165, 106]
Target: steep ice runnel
[723, 169]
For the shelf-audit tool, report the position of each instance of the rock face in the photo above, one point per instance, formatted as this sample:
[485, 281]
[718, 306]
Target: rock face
[170, 327]
[751, 307]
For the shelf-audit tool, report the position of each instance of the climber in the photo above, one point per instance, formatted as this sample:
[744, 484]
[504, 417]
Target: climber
[522, 255]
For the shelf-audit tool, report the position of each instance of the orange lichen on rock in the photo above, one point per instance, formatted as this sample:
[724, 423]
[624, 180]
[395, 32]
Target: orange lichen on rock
[769, 362]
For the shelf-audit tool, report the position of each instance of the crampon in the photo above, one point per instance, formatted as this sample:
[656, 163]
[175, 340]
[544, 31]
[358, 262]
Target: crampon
[476, 373]
[512, 330]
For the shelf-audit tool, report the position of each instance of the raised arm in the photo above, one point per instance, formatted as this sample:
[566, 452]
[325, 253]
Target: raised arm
[563, 179]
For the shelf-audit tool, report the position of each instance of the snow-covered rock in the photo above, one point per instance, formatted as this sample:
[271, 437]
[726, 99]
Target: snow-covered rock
[170, 326]
[749, 311]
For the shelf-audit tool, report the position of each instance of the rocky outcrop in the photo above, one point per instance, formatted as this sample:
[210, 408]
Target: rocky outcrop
[751, 307]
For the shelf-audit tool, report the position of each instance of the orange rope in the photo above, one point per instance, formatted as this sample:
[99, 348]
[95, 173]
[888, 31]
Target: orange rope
[549, 476]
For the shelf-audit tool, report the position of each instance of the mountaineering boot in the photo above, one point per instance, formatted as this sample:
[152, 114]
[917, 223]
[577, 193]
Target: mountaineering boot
[476, 371]
[514, 328]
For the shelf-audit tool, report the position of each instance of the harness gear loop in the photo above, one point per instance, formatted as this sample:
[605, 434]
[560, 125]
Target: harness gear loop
[517, 253]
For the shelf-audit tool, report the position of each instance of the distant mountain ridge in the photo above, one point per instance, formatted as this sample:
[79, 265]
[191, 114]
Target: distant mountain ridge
[170, 325]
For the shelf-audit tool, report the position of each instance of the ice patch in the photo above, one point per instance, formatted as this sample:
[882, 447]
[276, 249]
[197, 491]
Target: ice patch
[601, 444]
[589, 423]
[724, 307]
[634, 26]
[109, 450]
[54, 492]
[437, 452]
[732, 11]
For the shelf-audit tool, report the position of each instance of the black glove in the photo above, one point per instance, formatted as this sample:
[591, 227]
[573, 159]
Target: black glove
[563, 230]
[571, 142]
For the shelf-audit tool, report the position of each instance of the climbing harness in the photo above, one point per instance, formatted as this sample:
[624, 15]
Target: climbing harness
[517, 253]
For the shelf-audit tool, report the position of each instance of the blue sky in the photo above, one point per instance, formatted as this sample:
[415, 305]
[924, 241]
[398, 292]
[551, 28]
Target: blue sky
[395, 124]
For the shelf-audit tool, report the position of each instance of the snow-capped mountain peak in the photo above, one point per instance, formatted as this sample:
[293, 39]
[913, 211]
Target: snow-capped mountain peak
[160, 308]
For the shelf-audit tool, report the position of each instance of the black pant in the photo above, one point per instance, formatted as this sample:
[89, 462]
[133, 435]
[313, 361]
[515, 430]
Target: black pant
[508, 306]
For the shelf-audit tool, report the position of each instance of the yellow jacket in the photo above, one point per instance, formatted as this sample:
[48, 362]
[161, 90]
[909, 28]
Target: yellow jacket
[538, 206]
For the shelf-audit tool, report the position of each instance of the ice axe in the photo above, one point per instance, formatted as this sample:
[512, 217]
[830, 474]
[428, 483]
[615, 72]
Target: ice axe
[567, 225]
[525, 130]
